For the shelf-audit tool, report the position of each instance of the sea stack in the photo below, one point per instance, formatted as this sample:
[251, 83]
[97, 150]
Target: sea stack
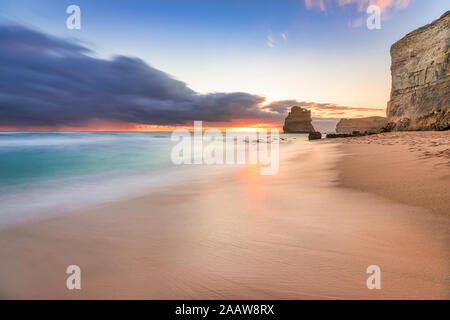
[298, 121]
[420, 94]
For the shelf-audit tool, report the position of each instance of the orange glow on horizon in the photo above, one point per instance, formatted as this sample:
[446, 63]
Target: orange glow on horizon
[131, 127]
[237, 125]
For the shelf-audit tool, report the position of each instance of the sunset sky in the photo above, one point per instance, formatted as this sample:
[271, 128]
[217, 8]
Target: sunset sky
[153, 65]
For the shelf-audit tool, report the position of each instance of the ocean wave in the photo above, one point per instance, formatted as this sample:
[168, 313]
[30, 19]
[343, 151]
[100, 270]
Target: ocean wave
[17, 139]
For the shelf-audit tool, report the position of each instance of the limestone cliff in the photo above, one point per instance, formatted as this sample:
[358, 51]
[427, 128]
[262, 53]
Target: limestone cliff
[298, 121]
[420, 94]
[369, 124]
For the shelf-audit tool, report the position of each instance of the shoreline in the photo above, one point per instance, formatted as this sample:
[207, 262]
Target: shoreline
[55, 197]
[296, 235]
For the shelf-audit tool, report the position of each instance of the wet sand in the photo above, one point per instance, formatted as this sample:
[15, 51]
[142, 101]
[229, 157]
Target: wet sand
[408, 167]
[300, 234]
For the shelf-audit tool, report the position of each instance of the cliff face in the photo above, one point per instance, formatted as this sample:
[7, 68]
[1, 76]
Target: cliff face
[298, 121]
[420, 94]
[369, 124]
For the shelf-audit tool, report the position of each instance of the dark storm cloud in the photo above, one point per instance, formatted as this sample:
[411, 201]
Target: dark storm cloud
[48, 81]
[281, 107]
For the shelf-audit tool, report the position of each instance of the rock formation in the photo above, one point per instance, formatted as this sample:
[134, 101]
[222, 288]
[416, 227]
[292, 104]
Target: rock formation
[420, 94]
[298, 121]
[369, 125]
[314, 136]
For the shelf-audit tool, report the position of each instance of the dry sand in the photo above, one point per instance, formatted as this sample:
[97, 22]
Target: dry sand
[295, 235]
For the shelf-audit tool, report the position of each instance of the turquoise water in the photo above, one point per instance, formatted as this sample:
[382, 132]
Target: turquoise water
[45, 173]
[32, 157]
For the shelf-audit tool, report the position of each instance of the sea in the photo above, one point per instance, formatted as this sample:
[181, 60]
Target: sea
[44, 173]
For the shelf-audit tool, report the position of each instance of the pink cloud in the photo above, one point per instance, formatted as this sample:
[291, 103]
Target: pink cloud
[323, 5]
[383, 4]
[323, 110]
[320, 4]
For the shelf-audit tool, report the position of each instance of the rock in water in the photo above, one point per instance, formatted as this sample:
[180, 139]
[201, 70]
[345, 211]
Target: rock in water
[369, 125]
[298, 121]
[420, 95]
[314, 136]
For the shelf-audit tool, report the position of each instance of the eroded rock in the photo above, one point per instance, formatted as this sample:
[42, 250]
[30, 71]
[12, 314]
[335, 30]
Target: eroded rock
[362, 125]
[420, 94]
[298, 121]
[314, 136]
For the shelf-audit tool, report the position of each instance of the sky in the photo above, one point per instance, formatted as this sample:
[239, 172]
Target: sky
[148, 64]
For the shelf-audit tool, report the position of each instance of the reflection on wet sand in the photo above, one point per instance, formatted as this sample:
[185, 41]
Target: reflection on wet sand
[239, 235]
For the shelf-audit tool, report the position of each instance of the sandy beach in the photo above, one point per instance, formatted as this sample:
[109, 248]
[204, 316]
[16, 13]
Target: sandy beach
[408, 167]
[309, 232]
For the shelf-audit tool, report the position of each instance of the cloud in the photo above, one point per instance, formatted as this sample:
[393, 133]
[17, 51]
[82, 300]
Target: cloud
[48, 81]
[356, 23]
[385, 5]
[324, 110]
[281, 107]
[325, 115]
[316, 4]
[272, 38]
[270, 41]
